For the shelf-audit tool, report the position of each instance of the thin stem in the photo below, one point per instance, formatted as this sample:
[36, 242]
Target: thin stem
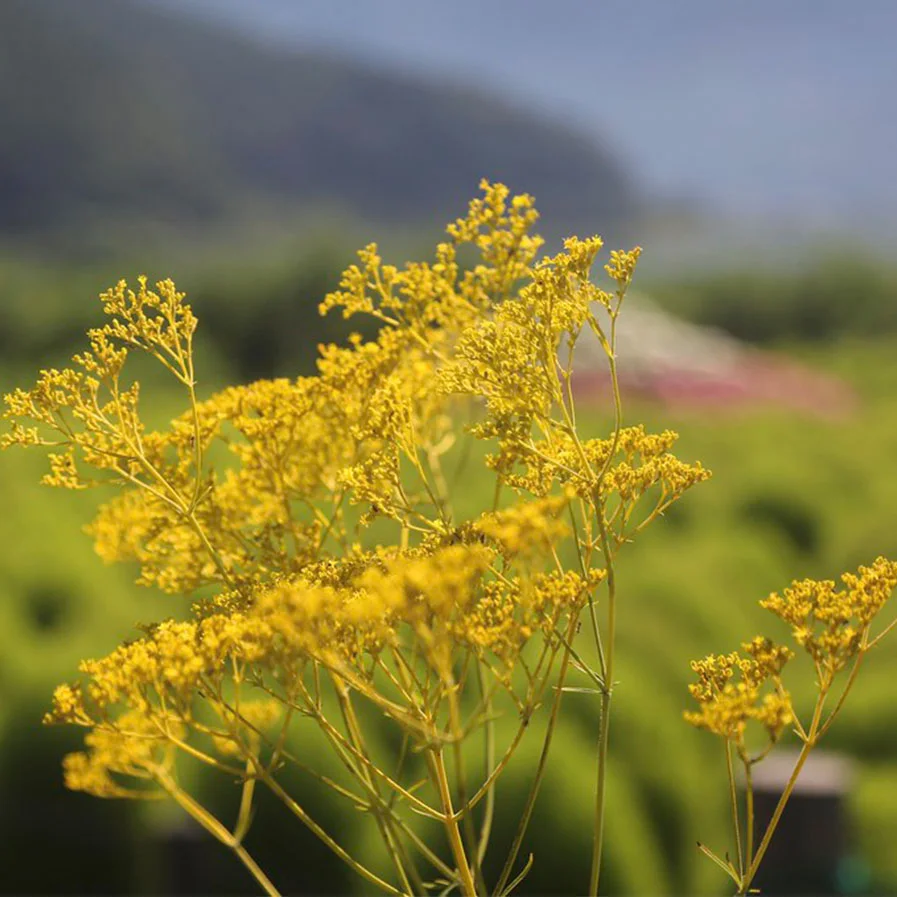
[212, 551]
[881, 635]
[197, 444]
[343, 752]
[264, 774]
[470, 837]
[749, 811]
[279, 751]
[196, 753]
[604, 720]
[809, 744]
[489, 762]
[347, 751]
[215, 828]
[487, 788]
[846, 690]
[733, 796]
[244, 817]
[581, 665]
[391, 840]
[450, 822]
[316, 829]
[540, 768]
[610, 638]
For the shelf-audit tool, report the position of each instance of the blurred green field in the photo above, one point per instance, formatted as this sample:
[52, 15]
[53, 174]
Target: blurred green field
[791, 497]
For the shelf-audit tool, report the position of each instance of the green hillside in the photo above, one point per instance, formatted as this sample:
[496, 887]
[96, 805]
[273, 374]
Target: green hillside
[118, 118]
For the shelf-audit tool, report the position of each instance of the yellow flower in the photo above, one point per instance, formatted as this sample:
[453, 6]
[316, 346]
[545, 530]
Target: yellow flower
[830, 623]
[730, 694]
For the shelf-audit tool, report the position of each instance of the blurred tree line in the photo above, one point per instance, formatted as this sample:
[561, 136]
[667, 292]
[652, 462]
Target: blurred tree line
[260, 318]
[823, 298]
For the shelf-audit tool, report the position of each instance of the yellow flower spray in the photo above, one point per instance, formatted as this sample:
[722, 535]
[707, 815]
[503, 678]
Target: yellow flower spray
[314, 523]
[835, 628]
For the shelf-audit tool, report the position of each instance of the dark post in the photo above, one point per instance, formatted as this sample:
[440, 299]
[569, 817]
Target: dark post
[811, 848]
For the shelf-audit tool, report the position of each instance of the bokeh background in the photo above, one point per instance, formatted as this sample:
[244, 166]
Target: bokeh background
[247, 149]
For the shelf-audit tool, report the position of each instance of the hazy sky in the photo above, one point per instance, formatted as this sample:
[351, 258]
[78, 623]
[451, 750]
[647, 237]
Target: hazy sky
[769, 106]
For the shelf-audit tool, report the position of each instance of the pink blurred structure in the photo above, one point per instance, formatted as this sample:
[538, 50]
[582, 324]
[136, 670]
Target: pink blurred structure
[684, 365]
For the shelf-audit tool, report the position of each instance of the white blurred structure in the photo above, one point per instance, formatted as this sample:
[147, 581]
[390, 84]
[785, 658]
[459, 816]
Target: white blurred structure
[663, 358]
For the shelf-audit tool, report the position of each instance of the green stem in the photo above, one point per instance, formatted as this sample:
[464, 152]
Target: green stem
[749, 812]
[470, 838]
[610, 638]
[316, 829]
[733, 796]
[390, 838]
[450, 822]
[847, 686]
[216, 829]
[490, 766]
[604, 720]
[540, 769]
[809, 744]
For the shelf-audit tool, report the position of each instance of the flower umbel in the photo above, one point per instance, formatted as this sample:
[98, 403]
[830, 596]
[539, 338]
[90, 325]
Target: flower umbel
[833, 626]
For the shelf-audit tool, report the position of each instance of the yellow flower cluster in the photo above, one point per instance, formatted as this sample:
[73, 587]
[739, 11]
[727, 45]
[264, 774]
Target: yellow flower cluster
[831, 624]
[262, 497]
[633, 464]
[510, 359]
[512, 362]
[430, 301]
[87, 406]
[528, 529]
[437, 599]
[133, 749]
[434, 607]
[621, 266]
[727, 704]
